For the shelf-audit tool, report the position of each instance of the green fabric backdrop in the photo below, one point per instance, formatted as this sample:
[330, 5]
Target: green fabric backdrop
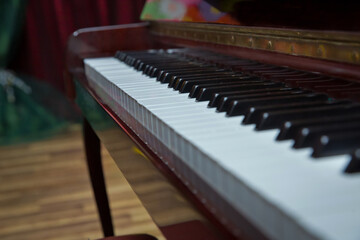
[23, 115]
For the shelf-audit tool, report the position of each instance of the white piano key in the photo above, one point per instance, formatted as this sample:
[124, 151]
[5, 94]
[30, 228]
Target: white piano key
[283, 191]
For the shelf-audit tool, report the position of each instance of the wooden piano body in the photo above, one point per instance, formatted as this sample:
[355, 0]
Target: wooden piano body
[197, 213]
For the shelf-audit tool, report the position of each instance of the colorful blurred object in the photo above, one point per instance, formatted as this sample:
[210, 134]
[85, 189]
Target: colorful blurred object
[186, 10]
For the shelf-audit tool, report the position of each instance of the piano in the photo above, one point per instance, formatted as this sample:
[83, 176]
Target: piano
[254, 131]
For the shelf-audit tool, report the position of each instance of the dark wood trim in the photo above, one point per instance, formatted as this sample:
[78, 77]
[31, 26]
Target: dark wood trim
[93, 159]
[103, 41]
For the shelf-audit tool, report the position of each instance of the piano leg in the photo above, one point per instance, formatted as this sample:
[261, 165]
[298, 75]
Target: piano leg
[93, 158]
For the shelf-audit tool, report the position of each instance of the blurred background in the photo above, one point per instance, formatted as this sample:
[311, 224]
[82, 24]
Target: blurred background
[33, 41]
[45, 191]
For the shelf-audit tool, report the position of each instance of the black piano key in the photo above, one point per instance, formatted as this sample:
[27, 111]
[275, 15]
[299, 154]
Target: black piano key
[151, 66]
[189, 82]
[147, 68]
[155, 59]
[197, 91]
[120, 55]
[307, 136]
[155, 70]
[187, 85]
[271, 120]
[128, 60]
[290, 129]
[165, 75]
[152, 58]
[225, 102]
[235, 106]
[336, 144]
[205, 73]
[140, 63]
[354, 164]
[216, 96]
[178, 66]
[254, 113]
[191, 68]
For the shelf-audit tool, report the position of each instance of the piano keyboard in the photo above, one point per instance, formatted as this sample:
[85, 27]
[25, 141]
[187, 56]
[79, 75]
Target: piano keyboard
[294, 188]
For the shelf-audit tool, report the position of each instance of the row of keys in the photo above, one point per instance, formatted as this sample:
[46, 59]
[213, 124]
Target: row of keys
[281, 190]
[335, 87]
[268, 96]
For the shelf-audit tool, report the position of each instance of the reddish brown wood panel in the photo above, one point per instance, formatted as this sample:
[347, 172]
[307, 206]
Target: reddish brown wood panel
[103, 41]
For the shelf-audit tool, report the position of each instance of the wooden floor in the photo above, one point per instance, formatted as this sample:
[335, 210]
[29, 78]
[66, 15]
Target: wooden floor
[45, 193]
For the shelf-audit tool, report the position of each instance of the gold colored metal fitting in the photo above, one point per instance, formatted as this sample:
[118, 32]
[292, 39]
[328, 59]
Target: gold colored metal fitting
[329, 45]
[355, 56]
[251, 42]
[319, 52]
[292, 49]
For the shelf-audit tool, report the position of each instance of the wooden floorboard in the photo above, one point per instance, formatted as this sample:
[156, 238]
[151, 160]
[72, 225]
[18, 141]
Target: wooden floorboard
[45, 193]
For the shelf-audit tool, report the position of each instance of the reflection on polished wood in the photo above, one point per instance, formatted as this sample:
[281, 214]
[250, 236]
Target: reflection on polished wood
[171, 211]
[45, 193]
[164, 203]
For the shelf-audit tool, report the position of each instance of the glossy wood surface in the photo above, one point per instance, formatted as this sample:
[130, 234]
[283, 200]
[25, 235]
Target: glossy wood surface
[215, 213]
[95, 168]
[181, 208]
[104, 42]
